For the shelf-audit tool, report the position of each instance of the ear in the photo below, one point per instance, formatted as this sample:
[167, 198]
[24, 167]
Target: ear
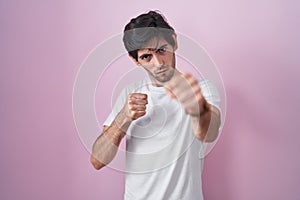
[175, 41]
[134, 60]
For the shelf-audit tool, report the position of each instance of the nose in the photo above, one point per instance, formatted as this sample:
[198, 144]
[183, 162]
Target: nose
[158, 60]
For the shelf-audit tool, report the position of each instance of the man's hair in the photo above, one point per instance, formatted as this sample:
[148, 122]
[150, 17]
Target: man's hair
[143, 28]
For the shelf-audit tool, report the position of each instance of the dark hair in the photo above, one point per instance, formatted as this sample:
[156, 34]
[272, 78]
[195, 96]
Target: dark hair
[143, 28]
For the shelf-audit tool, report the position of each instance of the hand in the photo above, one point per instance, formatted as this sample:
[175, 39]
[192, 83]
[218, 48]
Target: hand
[135, 106]
[186, 90]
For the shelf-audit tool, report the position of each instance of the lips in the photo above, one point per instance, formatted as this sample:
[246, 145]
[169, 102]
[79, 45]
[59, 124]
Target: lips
[162, 71]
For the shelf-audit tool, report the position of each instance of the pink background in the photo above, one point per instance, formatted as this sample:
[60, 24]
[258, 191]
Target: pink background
[254, 43]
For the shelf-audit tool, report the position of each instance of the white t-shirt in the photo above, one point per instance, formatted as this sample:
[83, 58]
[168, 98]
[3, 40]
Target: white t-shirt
[164, 160]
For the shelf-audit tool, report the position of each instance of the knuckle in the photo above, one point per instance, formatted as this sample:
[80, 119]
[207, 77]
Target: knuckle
[136, 115]
[197, 89]
[140, 108]
[130, 107]
[142, 113]
[193, 79]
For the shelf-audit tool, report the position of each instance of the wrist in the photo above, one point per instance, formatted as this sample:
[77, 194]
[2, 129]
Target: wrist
[122, 121]
[200, 122]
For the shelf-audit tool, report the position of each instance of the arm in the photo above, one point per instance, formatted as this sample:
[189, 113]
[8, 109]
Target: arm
[205, 118]
[106, 145]
[206, 126]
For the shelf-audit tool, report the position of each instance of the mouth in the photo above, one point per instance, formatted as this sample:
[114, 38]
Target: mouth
[162, 71]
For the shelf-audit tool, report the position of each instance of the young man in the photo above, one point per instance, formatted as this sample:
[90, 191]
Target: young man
[167, 119]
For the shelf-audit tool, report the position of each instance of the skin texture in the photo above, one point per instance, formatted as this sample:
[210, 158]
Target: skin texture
[158, 59]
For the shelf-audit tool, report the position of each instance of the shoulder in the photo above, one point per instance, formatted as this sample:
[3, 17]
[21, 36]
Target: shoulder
[138, 86]
[203, 81]
[206, 84]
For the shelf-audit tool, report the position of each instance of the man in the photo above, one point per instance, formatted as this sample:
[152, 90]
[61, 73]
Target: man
[167, 119]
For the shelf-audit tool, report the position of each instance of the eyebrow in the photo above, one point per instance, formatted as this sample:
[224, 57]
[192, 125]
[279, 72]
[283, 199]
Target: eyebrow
[152, 49]
[162, 46]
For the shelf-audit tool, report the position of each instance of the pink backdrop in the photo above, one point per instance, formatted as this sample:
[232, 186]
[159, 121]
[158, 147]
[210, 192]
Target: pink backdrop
[254, 43]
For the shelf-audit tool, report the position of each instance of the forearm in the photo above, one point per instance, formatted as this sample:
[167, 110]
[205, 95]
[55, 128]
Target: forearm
[206, 126]
[106, 145]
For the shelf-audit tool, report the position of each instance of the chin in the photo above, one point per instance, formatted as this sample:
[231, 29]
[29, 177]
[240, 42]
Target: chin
[164, 79]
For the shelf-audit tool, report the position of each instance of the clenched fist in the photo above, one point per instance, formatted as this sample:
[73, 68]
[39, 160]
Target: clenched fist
[186, 90]
[135, 106]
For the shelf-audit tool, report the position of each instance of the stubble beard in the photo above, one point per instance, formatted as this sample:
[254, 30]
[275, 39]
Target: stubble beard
[167, 77]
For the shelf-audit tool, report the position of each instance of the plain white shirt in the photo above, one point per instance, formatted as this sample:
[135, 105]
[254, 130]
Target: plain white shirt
[164, 160]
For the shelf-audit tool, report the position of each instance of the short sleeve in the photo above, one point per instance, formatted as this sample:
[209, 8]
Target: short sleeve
[210, 92]
[121, 100]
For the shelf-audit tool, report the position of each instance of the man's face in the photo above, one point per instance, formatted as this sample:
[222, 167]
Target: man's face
[158, 59]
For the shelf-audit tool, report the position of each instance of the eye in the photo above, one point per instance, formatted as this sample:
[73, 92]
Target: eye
[162, 50]
[145, 57]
